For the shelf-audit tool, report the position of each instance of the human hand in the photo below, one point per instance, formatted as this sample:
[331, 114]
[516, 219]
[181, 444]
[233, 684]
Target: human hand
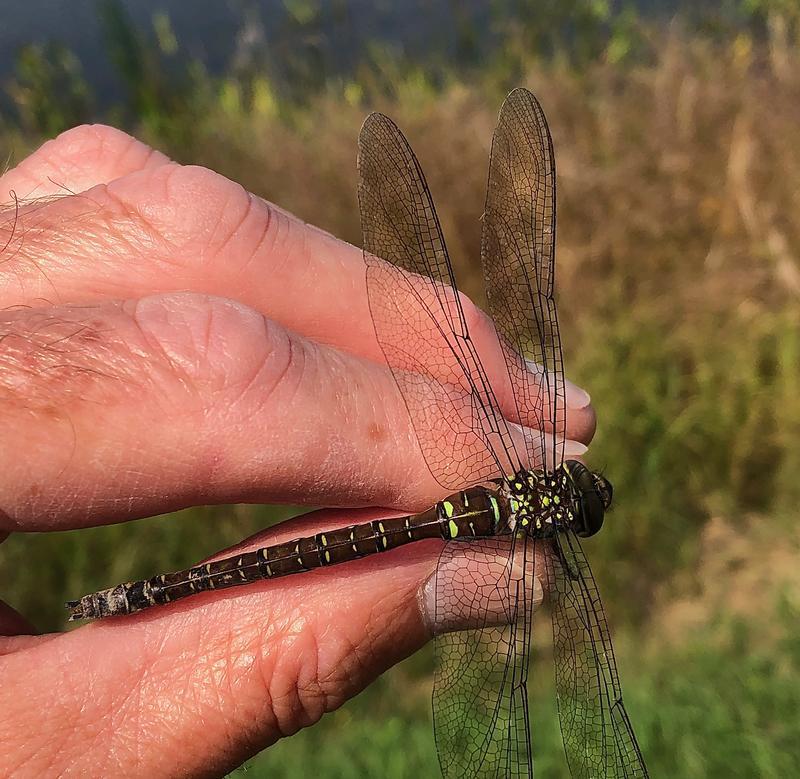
[167, 340]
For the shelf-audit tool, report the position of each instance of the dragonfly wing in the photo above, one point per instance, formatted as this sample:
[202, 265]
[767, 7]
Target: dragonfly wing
[598, 737]
[480, 696]
[518, 255]
[419, 318]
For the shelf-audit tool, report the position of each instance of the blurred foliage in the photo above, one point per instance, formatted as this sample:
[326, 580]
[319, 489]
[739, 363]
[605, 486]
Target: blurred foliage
[679, 295]
[699, 712]
[48, 89]
[165, 91]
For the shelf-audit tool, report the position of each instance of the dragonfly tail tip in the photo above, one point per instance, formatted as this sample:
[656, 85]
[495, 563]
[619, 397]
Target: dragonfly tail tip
[76, 610]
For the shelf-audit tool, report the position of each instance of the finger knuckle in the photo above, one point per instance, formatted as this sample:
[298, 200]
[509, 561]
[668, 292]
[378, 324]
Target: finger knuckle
[223, 223]
[212, 344]
[202, 217]
[291, 679]
[196, 207]
[89, 141]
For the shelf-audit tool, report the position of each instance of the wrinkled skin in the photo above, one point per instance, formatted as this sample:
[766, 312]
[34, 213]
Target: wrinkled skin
[168, 340]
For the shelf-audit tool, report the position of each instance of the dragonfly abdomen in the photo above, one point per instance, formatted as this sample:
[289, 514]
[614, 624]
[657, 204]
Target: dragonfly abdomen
[471, 513]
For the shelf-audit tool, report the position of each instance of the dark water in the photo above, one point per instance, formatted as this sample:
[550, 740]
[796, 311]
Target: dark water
[220, 33]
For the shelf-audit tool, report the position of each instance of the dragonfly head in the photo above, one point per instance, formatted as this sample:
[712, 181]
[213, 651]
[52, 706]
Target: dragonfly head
[592, 495]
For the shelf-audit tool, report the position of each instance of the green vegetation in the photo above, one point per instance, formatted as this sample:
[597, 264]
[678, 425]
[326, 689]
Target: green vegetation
[679, 245]
[699, 712]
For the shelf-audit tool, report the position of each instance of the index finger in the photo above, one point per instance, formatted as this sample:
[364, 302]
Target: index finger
[170, 228]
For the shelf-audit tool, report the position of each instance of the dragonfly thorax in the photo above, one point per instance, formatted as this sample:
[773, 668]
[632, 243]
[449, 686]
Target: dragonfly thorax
[541, 503]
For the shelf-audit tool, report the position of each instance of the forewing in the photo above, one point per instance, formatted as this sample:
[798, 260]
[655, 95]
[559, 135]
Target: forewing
[480, 695]
[598, 737]
[518, 254]
[418, 316]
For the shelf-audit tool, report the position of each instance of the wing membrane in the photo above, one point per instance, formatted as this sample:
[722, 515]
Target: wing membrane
[598, 737]
[518, 255]
[480, 690]
[419, 319]
[480, 696]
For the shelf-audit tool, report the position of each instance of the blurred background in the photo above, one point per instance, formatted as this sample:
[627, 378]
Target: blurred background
[677, 134]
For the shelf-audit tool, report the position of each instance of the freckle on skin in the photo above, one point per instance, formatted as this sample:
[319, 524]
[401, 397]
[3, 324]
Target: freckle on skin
[376, 432]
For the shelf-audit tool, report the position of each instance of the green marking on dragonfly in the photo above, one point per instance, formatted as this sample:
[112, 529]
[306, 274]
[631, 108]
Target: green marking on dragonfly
[453, 528]
[449, 509]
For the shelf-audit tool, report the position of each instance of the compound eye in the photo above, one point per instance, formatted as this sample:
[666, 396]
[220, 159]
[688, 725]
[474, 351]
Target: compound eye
[592, 514]
[590, 501]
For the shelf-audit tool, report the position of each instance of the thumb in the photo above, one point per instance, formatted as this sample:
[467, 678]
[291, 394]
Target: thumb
[214, 678]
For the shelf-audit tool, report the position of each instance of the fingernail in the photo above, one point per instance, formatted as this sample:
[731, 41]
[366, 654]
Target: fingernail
[474, 586]
[574, 448]
[576, 397]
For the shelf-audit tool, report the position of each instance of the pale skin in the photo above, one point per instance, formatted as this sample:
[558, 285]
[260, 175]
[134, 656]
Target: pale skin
[169, 340]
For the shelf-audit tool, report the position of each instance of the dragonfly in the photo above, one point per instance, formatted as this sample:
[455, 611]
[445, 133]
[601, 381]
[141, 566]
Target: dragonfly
[510, 496]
